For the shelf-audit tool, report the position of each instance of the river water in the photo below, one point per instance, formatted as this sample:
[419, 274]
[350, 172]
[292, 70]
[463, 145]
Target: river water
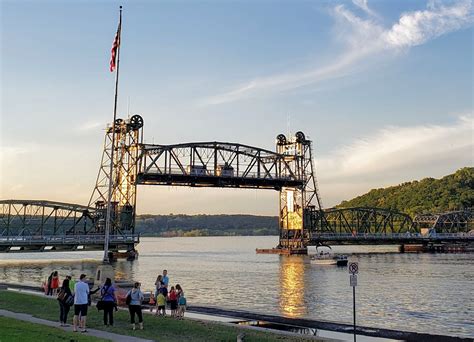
[431, 293]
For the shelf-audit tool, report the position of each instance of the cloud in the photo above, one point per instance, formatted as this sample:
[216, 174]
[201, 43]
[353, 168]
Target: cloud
[395, 154]
[363, 39]
[90, 126]
[420, 26]
[363, 5]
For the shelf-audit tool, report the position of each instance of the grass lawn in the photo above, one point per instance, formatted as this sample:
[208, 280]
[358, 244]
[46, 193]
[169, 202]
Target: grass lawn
[13, 330]
[156, 328]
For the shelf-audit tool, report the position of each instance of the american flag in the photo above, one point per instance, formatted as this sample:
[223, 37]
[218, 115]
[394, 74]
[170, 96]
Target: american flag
[115, 46]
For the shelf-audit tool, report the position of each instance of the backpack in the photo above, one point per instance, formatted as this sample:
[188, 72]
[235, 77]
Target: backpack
[182, 300]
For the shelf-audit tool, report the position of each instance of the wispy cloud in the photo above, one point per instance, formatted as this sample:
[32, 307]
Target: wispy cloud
[362, 38]
[394, 154]
[90, 126]
[363, 5]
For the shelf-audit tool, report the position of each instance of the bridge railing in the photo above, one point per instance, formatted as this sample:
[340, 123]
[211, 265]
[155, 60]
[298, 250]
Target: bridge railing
[394, 236]
[68, 239]
[221, 174]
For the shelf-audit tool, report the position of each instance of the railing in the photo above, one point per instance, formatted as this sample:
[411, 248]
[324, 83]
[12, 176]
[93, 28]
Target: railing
[214, 173]
[68, 239]
[393, 236]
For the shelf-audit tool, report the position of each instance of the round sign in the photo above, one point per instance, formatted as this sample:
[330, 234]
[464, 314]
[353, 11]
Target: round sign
[353, 268]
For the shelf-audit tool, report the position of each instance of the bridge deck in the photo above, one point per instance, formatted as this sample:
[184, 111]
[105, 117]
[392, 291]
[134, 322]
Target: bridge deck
[390, 239]
[66, 242]
[216, 181]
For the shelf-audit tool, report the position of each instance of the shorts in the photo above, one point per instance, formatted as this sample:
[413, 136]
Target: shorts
[80, 309]
[174, 304]
[182, 308]
[161, 307]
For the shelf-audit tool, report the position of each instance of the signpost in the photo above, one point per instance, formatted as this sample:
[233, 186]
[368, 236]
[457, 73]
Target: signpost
[353, 271]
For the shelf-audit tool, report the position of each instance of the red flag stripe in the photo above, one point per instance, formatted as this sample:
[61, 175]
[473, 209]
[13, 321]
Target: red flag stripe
[115, 46]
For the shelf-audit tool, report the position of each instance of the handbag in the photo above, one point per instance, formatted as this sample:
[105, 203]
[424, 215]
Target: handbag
[128, 300]
[100, 305]
[69, 300]
[61, 295]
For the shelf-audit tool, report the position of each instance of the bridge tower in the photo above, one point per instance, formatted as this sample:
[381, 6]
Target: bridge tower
[297, 203]
[128, 135]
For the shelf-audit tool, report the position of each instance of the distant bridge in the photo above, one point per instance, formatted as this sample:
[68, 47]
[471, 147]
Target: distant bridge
[370, 226]
[45, 225]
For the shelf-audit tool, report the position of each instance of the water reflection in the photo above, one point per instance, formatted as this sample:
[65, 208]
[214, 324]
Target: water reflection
[292, 289]
[34, 272]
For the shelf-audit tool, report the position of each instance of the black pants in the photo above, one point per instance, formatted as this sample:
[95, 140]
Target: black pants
[135, 309]
[63, 311]
[109, 312]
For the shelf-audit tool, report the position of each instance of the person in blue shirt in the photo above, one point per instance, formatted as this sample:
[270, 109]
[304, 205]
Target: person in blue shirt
[109, 300]
[165, 278]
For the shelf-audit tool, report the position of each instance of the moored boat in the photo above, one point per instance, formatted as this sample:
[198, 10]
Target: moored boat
[326, 257]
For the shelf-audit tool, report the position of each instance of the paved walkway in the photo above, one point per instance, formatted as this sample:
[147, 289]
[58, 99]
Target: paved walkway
[90, 332]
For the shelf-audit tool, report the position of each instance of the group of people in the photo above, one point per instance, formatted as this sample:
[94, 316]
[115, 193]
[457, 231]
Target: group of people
[78, 294]
[175, 296]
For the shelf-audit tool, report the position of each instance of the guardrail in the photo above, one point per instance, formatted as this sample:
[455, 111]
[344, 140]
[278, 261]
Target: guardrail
[68, 239]
[394, 236]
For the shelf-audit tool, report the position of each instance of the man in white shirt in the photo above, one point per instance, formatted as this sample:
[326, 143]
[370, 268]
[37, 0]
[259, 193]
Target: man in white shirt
[81, 300]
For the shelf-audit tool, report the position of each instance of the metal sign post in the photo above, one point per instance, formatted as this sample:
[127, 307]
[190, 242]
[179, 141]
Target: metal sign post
[353, 270]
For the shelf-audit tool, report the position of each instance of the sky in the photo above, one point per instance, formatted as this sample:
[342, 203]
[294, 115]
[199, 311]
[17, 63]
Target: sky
[384, 89]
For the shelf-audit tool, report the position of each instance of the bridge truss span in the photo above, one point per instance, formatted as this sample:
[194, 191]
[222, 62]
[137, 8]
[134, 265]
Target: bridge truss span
[217, 164]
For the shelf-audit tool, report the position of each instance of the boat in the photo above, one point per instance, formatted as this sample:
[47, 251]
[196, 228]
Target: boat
[341, 260]
[325, 257]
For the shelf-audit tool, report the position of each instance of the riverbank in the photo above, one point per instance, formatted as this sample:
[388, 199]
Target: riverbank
[275, 324]
[156, 328]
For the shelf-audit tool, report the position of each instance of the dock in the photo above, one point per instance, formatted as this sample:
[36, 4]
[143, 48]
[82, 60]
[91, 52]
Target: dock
[282, 251]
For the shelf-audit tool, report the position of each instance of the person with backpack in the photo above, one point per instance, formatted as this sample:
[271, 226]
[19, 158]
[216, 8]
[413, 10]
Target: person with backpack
[181, 302]
[134, 301]
[65, 302]
[107, 302]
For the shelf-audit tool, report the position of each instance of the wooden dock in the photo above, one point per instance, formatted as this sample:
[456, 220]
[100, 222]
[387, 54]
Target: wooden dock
[282, 251]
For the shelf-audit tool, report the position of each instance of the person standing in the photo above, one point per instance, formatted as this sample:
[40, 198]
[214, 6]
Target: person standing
[109, 301]
[134, 301]
[181, 302]
[165, 279]
[72, 283]
[173, 301]
[49, 289]
[161, 304]
[81, 300]
[54, 283]
[63, 295]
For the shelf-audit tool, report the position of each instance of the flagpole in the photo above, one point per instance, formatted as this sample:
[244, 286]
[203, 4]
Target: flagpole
[112, 149]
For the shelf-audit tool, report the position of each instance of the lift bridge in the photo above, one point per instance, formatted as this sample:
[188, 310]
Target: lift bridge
[31, 225]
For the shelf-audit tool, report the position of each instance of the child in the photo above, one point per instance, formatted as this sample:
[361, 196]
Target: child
[173, 301]
[161, 304]
[181, 302]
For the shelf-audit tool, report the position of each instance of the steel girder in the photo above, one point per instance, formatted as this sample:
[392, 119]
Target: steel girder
[359, 221]
[42, 218]
[450, 222]
[216, 164]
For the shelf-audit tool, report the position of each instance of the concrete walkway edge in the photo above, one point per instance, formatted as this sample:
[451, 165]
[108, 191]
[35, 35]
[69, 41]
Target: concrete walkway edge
[90, 332]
